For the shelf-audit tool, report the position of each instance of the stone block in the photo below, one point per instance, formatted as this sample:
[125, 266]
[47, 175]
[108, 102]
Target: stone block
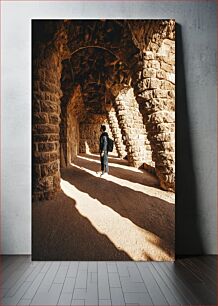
[54, 119]
[158, 104]
[47, 96]
[164, 84]
[45, 129]
[48, 106]
[146, 95]
[147, 64]
[45, 137]
[169, 137]
[46, 86]
[164, 157]
[40, 118]
[170, 77]
[38, 95]
[149, 73]
[166, 67]
[43, 184]
[170, 60]
[55, 96]
[167, 163]
[163, 50]
[160, 93]
[41, 157]
[51, 76]
[46, 147]
[36, 108]
[56, 181]
[53, 156]
[154, 83]
[162, 117]
[171, 93]
[49, 169]
[143, 85]
[161, 74]
[148, 55]
[155, 64]
[165, 146]
[169, 42]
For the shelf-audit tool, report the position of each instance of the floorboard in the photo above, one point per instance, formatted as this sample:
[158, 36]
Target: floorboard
[188, 281]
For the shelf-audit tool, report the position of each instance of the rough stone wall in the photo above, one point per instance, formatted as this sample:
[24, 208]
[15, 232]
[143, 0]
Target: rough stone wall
[89, 138]
[116, 132]
[132, 128]
[63, 137]
[72, 112]
[155, 92]
[153, 79]
[89, 131]
[73, 138]
[46, 119]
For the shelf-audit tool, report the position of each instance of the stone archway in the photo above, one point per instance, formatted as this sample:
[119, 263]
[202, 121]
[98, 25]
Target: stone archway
[96, 58]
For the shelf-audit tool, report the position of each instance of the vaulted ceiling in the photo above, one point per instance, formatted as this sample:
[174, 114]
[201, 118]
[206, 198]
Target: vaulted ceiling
[97, 53]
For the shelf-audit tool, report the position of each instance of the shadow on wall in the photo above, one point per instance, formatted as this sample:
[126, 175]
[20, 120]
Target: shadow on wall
[188, 227]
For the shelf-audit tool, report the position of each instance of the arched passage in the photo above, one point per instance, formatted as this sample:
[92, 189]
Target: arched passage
[86, 73]
[96, 58]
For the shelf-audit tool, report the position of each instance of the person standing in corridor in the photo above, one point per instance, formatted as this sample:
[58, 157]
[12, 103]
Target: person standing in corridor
[103, 150]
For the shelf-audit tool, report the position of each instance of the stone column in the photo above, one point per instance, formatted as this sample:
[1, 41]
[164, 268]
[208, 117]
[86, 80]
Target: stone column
[45, 122]
[116, 132]
[155, 93]
[132, 128]
[64, 162]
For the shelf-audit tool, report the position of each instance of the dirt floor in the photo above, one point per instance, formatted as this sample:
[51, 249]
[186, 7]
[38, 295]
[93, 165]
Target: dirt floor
[124, 216]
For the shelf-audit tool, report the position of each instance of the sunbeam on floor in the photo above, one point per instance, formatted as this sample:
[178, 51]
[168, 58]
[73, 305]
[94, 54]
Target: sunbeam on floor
[149, 190]
[138, 243]
[124, 216]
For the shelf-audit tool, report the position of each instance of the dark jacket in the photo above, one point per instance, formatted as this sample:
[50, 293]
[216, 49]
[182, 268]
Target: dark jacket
[103, 142]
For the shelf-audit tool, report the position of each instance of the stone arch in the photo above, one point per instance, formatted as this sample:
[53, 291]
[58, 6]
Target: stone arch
[96, 47]
[137, 62]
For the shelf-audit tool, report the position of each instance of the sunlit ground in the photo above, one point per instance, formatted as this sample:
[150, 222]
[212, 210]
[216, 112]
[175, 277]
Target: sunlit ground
[135, 216]
[152, 191]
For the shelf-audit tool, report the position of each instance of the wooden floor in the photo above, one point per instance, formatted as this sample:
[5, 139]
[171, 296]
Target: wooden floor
[188, 281]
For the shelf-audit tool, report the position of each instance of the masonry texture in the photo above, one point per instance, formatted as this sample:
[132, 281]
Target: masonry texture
[115, 72]
[90, 133]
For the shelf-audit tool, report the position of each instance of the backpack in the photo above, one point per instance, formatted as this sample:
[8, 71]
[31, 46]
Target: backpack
[110, 145]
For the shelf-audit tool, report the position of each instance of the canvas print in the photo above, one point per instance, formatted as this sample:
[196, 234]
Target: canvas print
[103, 140]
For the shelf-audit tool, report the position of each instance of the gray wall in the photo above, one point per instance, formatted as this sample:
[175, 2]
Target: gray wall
[196, 113]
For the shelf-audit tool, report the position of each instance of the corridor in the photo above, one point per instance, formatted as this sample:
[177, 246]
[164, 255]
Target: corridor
[119, 74]
[124, 216]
